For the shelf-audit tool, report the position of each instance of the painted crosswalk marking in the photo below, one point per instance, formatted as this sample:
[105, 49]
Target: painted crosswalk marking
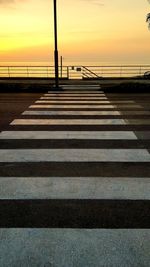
[67, 121]
[83, 112]
[53, 163]
[74, 188]
[79, 122]
[88, 101]
[108, 135]
[63, 102]
[73, 98]
[74, 155]
[62, 198]
[77, 106]
[72, 106]
[76, 112]
[74, 94]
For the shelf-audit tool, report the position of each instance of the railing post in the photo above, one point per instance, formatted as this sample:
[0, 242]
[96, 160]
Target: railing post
[120, 71]
[8, 72]
[27, 72]
[61, 66]
[56, 47]
[82, 71]
[140, 70]
[68, 73]
[47, 71]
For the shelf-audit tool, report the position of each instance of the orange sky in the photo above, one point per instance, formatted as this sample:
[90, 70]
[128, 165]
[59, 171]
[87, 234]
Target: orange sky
[104, 31]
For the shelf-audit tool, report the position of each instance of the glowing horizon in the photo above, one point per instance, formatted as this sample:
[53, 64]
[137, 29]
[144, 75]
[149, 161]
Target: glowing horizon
[89, 30]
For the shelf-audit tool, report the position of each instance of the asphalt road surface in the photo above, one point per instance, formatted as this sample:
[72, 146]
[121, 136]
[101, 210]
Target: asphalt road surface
[74, 179]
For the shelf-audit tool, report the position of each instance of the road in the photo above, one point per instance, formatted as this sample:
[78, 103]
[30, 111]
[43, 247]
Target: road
[75, 178]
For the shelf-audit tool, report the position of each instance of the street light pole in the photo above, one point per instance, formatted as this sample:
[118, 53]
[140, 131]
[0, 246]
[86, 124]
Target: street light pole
[56, 47]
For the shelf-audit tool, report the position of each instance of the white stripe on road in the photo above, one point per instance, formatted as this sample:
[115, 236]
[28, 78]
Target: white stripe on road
[67, 122]
[74, 155]
[84, 112]
[80, 89]
[72, 106]
[74, 247]
[74, 98]
[84, 106]
[72, 102]
[74, 188]
[106, 135]
[81, 101]
[74, 94]
[79, 122]
[62, 112]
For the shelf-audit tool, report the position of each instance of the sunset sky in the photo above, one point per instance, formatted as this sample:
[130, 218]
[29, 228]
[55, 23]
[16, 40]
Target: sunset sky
[102, 31]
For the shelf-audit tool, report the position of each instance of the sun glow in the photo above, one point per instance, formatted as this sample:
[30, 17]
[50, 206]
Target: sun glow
[88, 30]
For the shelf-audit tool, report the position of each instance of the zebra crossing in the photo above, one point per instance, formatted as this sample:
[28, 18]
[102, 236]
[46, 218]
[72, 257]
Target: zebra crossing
[75, 172]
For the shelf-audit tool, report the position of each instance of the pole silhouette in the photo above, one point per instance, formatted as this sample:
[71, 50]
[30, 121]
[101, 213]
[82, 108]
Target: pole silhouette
[56, 46]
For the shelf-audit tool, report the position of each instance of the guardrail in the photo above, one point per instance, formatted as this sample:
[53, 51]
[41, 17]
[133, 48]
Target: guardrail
[115, 71]
[31, 72]
[74, 72]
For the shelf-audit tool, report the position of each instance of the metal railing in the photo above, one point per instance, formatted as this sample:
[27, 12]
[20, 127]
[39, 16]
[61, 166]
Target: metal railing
[31, 72]
[116, 71]
[75, 72]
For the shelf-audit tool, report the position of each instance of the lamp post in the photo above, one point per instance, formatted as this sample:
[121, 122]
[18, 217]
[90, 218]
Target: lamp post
[56, 47]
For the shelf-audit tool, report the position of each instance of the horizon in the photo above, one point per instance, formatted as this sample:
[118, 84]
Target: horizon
[116, 33]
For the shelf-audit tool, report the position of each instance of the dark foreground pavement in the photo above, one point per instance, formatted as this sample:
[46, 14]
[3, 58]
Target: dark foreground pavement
[75, 179]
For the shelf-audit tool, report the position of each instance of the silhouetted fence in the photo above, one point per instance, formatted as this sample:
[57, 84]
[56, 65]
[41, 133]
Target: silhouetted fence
[75, 72]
